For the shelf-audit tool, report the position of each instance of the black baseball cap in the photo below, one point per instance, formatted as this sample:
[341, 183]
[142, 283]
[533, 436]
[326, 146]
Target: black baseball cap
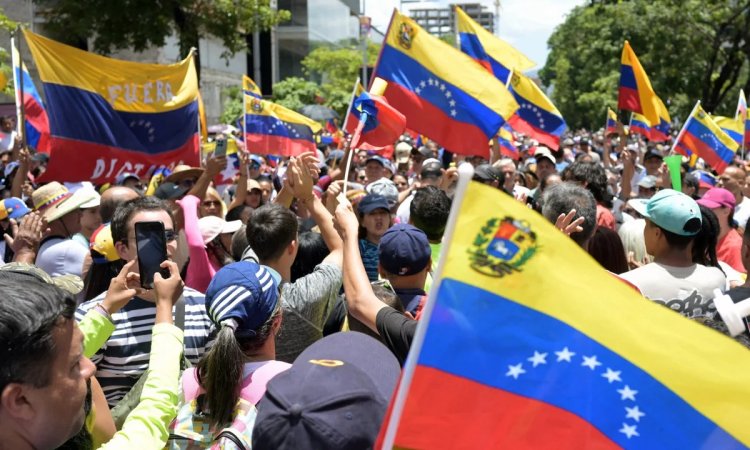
[334, 396]
[170, 191]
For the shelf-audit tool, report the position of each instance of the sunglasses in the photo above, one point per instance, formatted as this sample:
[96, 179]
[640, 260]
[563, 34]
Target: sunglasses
[169, 236]
[210, 203]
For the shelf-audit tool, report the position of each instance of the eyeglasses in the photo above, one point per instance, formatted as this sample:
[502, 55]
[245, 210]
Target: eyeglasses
[254, 165]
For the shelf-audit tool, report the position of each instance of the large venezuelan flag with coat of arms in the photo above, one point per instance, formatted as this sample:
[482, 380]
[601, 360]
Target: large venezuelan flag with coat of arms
[529, 343]
[443, 93]
[108, 116]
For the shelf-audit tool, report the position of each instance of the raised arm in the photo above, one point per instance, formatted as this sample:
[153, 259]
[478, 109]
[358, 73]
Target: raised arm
[241, 193]
[214, 165]
[301, 184]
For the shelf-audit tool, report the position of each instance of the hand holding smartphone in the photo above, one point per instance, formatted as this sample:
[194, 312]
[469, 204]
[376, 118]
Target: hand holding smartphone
[221, 148]
[151, 242]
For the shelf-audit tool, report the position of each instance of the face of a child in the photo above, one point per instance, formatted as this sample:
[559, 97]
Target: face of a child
[377, 222]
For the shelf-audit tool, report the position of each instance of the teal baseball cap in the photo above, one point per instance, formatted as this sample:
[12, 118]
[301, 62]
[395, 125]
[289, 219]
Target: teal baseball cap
[672, 211]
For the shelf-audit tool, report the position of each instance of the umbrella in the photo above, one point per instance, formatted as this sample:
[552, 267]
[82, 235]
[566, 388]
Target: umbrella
[318, 112]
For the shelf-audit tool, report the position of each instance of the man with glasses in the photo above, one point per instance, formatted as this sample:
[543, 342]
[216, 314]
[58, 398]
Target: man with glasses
[124, 357]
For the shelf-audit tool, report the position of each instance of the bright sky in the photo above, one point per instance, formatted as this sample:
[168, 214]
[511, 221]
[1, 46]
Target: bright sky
[526, 24]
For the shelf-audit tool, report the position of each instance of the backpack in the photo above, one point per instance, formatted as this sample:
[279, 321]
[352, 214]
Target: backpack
[190, 429]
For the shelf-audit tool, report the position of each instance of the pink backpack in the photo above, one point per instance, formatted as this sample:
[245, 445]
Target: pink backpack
[190, 429]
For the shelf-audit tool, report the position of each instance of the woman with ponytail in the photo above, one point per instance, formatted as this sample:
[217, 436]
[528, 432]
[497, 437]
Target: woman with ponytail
[218, 397]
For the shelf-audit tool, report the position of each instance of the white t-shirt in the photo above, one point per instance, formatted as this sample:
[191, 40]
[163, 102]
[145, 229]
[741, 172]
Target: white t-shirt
[742, 212]
[58, 256]
[687, 290]
[404, 209]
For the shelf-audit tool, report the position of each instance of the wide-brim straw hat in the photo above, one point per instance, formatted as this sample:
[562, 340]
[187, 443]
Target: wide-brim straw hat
[183, 172]
[54, 200]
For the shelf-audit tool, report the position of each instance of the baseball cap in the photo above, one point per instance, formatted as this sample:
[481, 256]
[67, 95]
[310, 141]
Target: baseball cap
[718, 198]
[212, 226]
[386, 188]
[371, 202]
[334, 396]
[486, 172]
[404, 250]
[647, 182]
[125, 176]
[13, 208]
[431, 167]
[403, 150]
[335, 155]
[544, 153]
[670, 210]
[102, 243]
[424, 151]
[652, 153]
[256, 159]
[170, 191]
[377, 158]
[242, 295]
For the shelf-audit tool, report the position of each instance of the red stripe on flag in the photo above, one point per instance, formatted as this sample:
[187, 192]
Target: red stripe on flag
[72, 160]
[277, 145]
[446, 411]
[456, 136]
[696, 145]
[544, 138]
[629, 100]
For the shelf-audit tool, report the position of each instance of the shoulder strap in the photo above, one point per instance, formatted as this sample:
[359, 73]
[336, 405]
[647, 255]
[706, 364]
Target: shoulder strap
[179, 313]
[254, 386]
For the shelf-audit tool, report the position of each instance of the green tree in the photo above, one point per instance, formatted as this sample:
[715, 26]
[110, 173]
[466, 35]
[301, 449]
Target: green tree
[691, 49]
[140, 24]
[295, 92]
[6, 71]
[232, 105]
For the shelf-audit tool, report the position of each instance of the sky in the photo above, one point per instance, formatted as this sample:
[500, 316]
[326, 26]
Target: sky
[526, 24]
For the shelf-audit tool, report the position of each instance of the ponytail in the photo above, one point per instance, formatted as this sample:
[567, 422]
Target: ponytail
[220, 374]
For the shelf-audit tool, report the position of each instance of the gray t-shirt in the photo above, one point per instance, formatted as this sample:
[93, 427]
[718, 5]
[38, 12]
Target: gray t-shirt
[687, 290]
[306, 304]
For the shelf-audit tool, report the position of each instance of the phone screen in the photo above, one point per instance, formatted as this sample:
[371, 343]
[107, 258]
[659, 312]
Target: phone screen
[221, 147]
[152, 251]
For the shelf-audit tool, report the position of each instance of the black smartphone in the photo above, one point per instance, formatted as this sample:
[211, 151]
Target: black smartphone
[151, 243]
[221, 148]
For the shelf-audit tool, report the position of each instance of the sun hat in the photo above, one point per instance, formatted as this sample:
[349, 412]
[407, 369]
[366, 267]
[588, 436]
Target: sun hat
[54, 200]
[183, 172]
[212, 226]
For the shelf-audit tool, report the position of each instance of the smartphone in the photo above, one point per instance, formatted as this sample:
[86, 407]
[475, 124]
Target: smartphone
[151, 243]
[221, 148]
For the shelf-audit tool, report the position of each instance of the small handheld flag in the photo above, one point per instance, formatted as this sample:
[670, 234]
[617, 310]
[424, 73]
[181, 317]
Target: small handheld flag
[635, 93]
[640, 125]
[611, 126]
[703, 137]
[380, 124]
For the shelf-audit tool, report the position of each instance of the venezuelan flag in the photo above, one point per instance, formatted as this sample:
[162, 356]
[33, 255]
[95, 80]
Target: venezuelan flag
[635, 92]
[682, 150]
[380, 124]
[506, 142]
[743, 115]
[352, 116]
[660, 132]
[536, 117]
[36, 122]
[521, 348]
[108, 116]
[496, 55]
[202, 118]
[611, 127]
[273, 129]
[442, 92]
[640, 125]
[250, 88]
[704, 137]
[732, 127]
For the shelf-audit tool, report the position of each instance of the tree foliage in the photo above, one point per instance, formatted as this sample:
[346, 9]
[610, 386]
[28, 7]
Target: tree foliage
[295, 92]
[6, 72]
[141, 24]
[691, 50]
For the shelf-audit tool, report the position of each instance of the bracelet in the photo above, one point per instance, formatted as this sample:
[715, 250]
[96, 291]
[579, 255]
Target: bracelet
[103, 311]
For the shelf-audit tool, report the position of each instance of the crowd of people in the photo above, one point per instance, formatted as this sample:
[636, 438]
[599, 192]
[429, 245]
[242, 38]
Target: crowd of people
[289, 299]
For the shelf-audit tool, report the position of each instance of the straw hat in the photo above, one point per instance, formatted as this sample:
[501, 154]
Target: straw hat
[183, 172]
[54, 200]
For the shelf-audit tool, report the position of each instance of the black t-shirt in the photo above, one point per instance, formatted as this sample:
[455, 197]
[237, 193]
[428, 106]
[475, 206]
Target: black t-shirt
[396, 330]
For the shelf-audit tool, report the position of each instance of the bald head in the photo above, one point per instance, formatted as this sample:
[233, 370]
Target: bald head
[733, 180]
[112, 198]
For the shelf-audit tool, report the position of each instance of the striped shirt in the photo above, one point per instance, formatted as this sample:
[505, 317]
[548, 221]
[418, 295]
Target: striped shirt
[370, 258]
[124, 357]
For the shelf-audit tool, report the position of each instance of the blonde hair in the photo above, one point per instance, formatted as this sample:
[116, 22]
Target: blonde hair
[211, 192]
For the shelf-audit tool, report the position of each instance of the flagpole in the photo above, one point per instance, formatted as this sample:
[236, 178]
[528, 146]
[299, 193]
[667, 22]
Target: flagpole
[682, 130]
[351, 103]
[20, 106]
[465, 173]
[244, 117]
[192, 53]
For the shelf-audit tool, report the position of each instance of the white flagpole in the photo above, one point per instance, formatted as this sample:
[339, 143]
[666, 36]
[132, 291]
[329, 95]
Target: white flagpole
[351, 104]
[465, 173]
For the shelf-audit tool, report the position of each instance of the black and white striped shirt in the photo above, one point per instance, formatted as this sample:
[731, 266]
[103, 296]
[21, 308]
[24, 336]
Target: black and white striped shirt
[124, 357]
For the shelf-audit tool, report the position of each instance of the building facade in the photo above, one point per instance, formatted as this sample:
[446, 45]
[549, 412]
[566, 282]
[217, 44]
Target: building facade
[442, 21]
[313, 23]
